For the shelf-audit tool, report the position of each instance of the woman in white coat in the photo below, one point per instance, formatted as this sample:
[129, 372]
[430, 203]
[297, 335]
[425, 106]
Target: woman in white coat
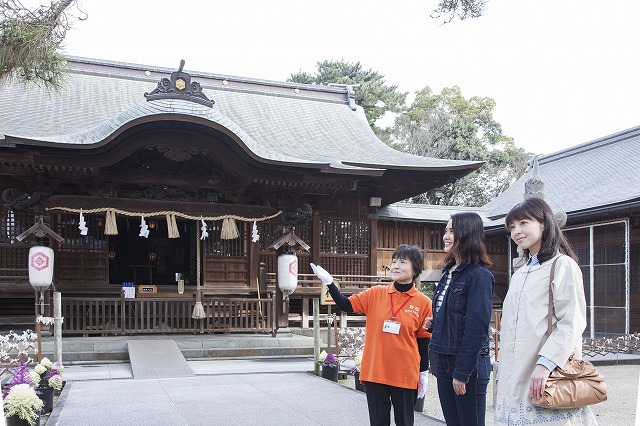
[526, 355]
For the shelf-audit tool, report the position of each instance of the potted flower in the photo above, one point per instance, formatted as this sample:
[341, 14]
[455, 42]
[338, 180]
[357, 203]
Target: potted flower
[20, 402]
[330, 366]
[47, 379]
[355, 372]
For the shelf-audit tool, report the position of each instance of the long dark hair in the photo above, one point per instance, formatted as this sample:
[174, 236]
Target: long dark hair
[552, 237]
[414, 255]
[468, 240]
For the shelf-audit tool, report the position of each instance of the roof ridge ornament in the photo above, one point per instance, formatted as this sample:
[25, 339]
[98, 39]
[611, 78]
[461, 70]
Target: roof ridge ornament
[351, 94]
[179, 86]
[534, 186]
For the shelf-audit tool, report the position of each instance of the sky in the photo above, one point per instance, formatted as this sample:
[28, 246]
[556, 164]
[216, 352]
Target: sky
[561, 72]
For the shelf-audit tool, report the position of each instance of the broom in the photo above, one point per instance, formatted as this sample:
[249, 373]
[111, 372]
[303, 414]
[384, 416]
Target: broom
[198, 310]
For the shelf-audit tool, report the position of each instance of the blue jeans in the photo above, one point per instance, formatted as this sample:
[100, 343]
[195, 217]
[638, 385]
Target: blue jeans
[462, 410]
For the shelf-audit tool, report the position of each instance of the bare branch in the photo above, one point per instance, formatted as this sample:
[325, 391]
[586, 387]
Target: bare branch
[447, 10]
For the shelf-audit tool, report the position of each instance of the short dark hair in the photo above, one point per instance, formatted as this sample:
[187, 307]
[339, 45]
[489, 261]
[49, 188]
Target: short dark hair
[468, 240]
[414, 255]
[553, 240]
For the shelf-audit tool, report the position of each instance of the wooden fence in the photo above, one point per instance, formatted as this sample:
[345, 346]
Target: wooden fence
[120, 315]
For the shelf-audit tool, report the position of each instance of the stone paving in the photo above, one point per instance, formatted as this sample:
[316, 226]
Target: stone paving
[264, 391]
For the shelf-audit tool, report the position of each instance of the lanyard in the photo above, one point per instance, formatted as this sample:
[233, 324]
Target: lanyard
[393, 313]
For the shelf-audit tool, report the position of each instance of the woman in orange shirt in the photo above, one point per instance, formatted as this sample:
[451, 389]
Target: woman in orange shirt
[395, 361]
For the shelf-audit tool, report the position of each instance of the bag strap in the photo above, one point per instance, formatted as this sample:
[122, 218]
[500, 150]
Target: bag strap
[553, 270]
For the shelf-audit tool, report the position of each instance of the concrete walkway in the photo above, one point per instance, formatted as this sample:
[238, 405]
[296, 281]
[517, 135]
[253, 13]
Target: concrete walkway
[225, 392]
[268, 391]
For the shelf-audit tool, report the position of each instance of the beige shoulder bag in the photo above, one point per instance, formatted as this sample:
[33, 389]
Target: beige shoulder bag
[574, 385]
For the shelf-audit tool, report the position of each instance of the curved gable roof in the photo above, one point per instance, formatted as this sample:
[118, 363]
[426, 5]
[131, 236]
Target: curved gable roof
[276, 122]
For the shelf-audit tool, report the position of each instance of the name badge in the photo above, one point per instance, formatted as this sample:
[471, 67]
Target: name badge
[391, 327]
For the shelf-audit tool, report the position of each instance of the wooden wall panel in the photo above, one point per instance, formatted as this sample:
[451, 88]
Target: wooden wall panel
[81, 268]
[228, 270]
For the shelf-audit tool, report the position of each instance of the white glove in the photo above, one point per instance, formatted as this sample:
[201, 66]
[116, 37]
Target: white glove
[423, 383]
[320, 272]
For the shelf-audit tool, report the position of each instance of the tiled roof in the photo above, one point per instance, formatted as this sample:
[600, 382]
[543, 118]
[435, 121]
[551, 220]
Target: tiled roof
[424, 212]
[596, 174]
[276, 122]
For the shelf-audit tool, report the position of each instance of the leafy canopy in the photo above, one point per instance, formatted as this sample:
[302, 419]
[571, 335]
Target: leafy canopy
[447, 125]
[31, 40]
[371, 91]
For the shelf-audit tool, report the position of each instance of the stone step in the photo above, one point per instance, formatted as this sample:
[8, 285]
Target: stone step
[115, 348]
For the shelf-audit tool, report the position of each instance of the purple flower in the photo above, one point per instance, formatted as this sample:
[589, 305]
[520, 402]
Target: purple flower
[330, 361]
[20, 376]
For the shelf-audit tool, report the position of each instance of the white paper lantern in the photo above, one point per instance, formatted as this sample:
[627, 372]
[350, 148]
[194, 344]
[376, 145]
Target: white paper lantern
[287, 273]
[40, 267]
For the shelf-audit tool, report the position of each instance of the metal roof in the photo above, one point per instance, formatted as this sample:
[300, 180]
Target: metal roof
[599, 174]
[424, 212]
[276, 121]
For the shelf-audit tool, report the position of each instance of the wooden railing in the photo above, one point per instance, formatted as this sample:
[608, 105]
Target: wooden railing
[309, 287]
[117, 315]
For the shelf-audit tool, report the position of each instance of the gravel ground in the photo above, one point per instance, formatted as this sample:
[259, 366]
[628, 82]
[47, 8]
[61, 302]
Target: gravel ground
[620, 408]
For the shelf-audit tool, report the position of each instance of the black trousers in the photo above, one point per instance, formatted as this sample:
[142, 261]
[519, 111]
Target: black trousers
[380, 398]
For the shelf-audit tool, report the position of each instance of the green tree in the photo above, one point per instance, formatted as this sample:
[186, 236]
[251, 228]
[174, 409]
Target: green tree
[30, 42]
[450, 126]
[371, 93]
[447, 10]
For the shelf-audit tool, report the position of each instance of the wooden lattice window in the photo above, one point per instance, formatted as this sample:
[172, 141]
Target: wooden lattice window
[94, 242]
[270, 232]
[393, 234]
[497, 244]
[435, 238]
[344, 237]
[14, 223]
[216, 246]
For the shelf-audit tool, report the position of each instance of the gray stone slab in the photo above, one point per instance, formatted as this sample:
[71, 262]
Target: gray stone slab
[157, 359]
[285, 399]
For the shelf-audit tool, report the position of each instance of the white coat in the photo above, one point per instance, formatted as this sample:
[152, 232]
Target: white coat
[523, 340]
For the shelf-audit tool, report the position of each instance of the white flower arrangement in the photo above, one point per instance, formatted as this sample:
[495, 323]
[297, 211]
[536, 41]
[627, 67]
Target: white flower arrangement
[357, 361]
[23, 402]
[48, 374]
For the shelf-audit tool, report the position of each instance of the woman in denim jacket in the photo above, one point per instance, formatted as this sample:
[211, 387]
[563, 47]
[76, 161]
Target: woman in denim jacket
[459, 348]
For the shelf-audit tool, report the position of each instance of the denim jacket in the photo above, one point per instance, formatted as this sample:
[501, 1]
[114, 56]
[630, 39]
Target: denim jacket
[461, 326]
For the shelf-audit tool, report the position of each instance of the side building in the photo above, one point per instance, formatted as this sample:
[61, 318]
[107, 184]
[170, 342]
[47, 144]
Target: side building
[597, 186]
[595, 189]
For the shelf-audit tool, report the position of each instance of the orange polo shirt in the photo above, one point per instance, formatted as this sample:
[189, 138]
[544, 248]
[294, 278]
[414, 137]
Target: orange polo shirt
[392, 359]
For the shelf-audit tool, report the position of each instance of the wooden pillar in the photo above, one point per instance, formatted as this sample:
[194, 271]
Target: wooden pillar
[305, 312]
[253, 262]
[315, 239]
[373, 247]
[57, 326]
[316, 334]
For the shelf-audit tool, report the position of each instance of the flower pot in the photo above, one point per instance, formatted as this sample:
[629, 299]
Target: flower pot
[359, 385]
[58, 392]
[330, 373]
[17, 421]
[46, 395]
